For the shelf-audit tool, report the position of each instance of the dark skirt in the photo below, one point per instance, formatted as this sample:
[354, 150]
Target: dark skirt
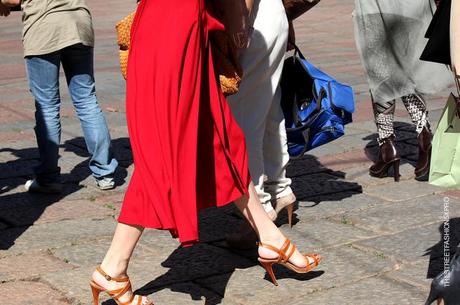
[438, 34]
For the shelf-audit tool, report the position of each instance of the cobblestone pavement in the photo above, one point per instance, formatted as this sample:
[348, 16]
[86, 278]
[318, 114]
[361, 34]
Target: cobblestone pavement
[382, 241]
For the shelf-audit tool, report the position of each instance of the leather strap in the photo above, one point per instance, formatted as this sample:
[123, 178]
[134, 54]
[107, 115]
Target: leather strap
[291, 252]
[284, 248]
[315, 259]
[109, 278]
[282, 257]
[121, 292]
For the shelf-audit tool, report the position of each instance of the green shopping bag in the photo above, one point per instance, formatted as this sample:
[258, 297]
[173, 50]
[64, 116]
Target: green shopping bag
[445, 155]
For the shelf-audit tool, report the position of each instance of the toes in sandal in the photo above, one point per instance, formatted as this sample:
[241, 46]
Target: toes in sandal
[283, 259]
[116, 294]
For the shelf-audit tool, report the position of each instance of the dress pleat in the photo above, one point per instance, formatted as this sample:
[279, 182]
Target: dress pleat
[189, 153]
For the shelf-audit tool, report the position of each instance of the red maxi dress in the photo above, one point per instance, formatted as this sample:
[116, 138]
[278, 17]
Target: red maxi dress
[189, 153]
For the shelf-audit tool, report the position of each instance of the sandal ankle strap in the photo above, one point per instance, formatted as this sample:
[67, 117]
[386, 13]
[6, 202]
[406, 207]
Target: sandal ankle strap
[110, 278]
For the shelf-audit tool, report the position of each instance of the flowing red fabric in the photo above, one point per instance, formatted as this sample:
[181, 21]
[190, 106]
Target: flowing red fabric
[189, 153]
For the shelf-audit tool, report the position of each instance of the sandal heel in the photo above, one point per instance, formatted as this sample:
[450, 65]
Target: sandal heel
[118, 293]
[96, 291]
[396, 170]
[269, 268]
[284, 254]
[290, 211]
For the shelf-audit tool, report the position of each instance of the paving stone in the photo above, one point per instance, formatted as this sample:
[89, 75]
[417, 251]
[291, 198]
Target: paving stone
[414, 274]
[196, 262]
[350, 131]
[31, 293]
[91, 253]
[185, 294]
[153, 271]
[305, 165]
[315, 185]
[376, 291]
[341, 163]
[327, 149]
[53, 235]
[10, 186]
[76, 191]
[414, 244]
[404, 190]
[323, 233]
[351, 142]
[30, 266]
[77, 290]
[112, 200]
[252, 285]
[215, 224]
[365, 126]
[452, 194]
[54, 211]
[328, 206]
[361, 175]
[17, 168]
[141, 272]
[401, 216]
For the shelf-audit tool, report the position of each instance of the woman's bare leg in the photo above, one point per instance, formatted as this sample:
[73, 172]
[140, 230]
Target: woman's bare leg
[266, 230]
[123, 243]
[117, 259]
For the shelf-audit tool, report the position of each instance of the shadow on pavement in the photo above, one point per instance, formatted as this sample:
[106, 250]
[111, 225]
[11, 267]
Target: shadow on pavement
[448, 242]
[204, 270]
[19, 210]
[315, 183]
[209, 273]
[406, 144]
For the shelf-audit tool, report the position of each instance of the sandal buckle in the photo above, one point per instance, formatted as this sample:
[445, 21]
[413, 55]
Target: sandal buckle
[108, 277]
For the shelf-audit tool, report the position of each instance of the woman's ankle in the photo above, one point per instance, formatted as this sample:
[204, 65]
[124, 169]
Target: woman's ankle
[275, 239]
[115, 267]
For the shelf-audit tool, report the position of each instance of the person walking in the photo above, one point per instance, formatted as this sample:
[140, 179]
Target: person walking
[189, 153]
[54, 33]
[257, 107]
[390, 39]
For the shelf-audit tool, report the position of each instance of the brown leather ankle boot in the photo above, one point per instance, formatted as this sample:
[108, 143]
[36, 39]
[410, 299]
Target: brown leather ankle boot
[422, 169]
[388, 156]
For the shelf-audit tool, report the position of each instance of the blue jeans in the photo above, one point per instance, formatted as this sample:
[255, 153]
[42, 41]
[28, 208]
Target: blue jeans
[43, 74]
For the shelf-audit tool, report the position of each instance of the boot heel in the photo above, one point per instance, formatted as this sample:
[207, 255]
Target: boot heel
[96, 291]
[433, 297]
[269, 268]
[290, 211]
[396, 170]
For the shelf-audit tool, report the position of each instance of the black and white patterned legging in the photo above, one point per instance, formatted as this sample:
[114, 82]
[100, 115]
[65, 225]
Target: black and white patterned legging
[384, 115]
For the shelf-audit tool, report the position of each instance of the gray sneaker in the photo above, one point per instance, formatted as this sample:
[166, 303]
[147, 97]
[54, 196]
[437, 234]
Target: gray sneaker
[34, 187]
[105, 183]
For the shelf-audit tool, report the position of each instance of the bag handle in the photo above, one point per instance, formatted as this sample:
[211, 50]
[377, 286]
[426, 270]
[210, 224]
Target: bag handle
[297, 51]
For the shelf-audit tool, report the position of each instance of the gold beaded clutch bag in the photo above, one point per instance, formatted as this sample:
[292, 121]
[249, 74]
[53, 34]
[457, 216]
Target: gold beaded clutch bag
[223, 49]
[123, 28]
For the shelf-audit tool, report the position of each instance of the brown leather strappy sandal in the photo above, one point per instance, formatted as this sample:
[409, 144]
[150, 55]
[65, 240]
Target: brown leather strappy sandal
[283, 259]
[116, 294]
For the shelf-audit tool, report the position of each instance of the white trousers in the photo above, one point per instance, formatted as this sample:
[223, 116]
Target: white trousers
[256, 106]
